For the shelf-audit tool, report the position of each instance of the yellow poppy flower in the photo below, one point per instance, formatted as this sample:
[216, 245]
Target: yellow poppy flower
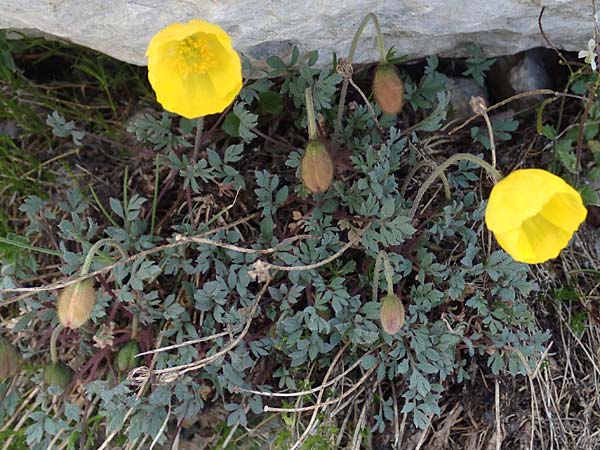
[533, 214]
[193, 68]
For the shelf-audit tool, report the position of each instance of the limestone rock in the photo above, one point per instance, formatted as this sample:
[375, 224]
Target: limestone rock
[261, 28]
[461, 90]
[530, 73]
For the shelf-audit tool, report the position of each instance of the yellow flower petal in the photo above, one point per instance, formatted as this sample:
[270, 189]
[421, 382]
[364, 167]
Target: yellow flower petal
[193, 68]
[533, 214]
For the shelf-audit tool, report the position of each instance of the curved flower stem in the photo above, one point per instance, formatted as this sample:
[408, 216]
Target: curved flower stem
[348, 76]
[310, 115]
[53, 339]
[497, 176]
[491, 135]
[134, 326]
[479, 106]
[198, 138]
[359, 31]
[340, 113]
[90, 256]
[376, 270]
[387, 270]
[155, 196]
[367, 102]
[414, 171]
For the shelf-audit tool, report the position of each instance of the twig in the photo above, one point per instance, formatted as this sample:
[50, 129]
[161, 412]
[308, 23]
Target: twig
[328, 402]
[171, 373]
[108, 268]
[324, 385]
[357, 436]
[516, 97]
[325, 261]
[397, 438]
[131, 410]
[308, 428]
[368, 103]
[423, 436]
[498, 423]
[183, 344]
[550, 44]
[233, 430]
[162, 428]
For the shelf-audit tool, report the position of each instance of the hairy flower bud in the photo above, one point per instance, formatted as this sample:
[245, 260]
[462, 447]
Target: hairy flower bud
[58, 374]
[126, 359]
[75, 304]
[392, 314]
[388, 89]
[317, 167]
[9, 359]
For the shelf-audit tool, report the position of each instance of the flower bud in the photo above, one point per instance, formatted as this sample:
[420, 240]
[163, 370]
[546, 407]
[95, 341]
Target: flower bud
[75, 304]
[388, 89]
[317, 167]
[126, 359]
[58, 374]
[392, 314]
[9, 359]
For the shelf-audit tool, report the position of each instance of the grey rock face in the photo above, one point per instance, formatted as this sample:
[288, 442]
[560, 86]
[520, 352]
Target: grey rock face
[461, 90]
[261, 28]
[529, 74]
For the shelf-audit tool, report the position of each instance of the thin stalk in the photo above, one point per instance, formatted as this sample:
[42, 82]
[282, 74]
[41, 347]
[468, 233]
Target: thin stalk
[197, 141]
[491, 136]
[496, 175]
[376, 275]
[33, 248]
[340, 113]
[99, 204]
[359, 31]
[134, 326]
[125, 197]
[198, 138]
[387, 270]
[53, 340]
[310, 115]
[94, 249]
[367, 102]
[155, 197]
[414, 171]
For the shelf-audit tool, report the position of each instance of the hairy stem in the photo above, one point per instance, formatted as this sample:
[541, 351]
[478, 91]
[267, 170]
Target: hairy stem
[497, 176]
[198, 138]
[155, 196]
[53, 340]
[134, 326]
[310, 115]
[340, 113]
[359, 31]
[387, 270]
[90, 256]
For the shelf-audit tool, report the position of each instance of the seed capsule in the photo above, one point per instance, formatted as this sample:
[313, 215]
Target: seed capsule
[9, 359]
[317, 167]
[392, 314]
[388, 89]
[58, 374]
[126, 359]
[75, 304]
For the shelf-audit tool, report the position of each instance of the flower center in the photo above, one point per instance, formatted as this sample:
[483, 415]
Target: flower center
[194, 56]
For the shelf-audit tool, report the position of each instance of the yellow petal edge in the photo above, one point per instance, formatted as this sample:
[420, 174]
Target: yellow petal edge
[533, 214]
[193, 68]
